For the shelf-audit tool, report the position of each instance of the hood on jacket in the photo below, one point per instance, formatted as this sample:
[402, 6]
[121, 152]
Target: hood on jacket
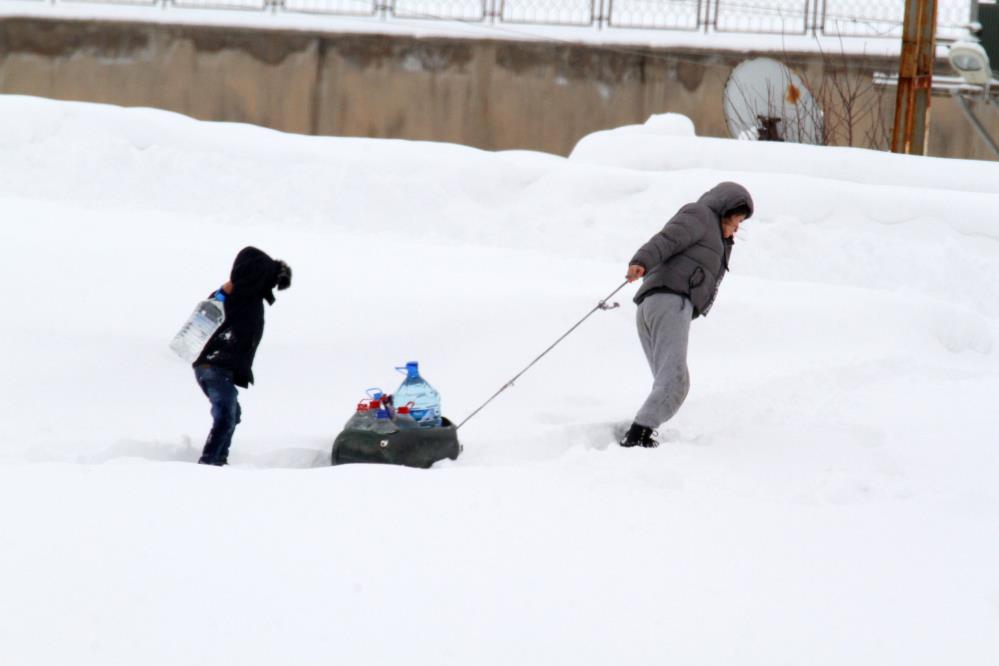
[254, 272]
[727, 196]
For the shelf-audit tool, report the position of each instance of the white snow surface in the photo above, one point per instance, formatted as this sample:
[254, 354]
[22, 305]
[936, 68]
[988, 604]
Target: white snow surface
[827, 495]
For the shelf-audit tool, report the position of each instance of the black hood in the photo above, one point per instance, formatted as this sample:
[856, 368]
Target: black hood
[254, 272]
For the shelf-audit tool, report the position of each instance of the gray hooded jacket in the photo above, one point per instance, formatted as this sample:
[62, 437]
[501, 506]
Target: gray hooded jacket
[690, 256]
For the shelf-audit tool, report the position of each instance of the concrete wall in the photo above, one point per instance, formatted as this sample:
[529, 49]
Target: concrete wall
[488, 94]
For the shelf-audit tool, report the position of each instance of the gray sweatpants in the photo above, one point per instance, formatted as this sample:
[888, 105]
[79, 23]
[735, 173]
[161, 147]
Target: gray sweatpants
[663, 327]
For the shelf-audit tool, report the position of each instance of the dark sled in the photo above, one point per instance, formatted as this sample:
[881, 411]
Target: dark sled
[412, 447]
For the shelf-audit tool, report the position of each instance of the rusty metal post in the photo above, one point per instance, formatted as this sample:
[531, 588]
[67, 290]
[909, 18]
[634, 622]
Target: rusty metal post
[915, 78]
[925, 59]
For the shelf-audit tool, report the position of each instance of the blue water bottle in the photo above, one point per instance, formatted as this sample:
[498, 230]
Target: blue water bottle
[426, 401]
[383, 424]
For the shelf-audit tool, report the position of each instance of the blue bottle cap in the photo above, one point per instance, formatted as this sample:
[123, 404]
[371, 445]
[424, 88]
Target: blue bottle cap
[412, 369]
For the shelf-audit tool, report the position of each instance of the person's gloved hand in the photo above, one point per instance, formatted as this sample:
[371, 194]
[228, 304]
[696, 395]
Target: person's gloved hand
[283, 276]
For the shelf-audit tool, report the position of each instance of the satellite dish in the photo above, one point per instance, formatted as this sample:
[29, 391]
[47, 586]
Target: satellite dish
[766, 101]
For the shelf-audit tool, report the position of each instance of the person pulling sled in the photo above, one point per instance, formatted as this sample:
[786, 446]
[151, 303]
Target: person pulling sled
[681, 269]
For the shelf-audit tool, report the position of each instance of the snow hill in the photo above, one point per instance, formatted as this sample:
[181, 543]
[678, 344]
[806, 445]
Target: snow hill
[827, 495]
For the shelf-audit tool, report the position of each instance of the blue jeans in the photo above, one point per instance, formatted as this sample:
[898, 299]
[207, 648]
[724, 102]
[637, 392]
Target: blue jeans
[217, 383]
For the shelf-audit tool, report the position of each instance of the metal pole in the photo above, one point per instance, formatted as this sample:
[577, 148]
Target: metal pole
[926, 58]
[906, 73]
[915, 78]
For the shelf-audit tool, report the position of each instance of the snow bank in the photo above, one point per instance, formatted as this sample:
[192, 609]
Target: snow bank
[663, 144]
[826, 496]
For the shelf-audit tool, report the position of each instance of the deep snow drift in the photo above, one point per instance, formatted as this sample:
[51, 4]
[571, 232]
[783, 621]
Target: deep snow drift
[826, 496]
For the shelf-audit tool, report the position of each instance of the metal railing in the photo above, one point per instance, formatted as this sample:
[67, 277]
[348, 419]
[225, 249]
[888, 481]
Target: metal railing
[654, 15]
[549, 12]
[829, 18]
[883, 18]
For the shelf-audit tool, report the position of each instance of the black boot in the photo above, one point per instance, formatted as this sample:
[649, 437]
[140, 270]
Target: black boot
[639, 435]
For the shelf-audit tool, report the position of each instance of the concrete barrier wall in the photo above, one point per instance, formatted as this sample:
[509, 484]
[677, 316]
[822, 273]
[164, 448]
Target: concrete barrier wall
[483, 93]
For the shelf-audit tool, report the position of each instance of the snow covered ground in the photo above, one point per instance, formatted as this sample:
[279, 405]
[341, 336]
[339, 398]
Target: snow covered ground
[828, 494]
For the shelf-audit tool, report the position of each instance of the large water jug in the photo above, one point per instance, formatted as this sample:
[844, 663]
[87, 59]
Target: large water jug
[426, 401]
[207, 317]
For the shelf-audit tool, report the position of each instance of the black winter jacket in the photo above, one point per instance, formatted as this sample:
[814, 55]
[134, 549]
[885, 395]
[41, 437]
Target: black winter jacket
[253, 277]
[690, 256]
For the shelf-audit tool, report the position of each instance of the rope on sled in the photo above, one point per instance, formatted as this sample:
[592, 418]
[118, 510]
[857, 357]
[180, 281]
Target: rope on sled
[602, 305]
